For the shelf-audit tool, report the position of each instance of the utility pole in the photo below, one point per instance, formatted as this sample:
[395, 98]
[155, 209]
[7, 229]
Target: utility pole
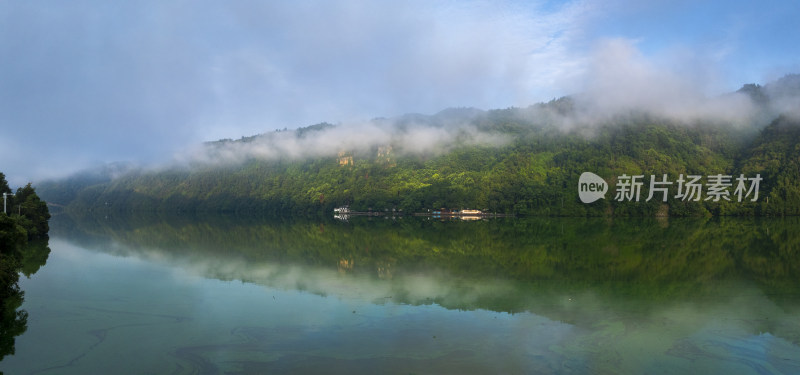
[5, 197]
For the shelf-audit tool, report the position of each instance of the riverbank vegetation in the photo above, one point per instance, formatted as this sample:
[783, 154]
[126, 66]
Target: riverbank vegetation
[23, 249]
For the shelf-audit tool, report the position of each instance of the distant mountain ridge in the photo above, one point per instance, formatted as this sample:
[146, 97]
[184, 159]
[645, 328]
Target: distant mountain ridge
[524, 161]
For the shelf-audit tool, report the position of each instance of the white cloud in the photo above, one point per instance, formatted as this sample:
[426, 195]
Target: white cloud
[405, 138]
[361, 60]
[620, 79]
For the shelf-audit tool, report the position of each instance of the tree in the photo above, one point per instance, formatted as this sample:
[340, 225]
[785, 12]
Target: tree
[4, 184]
[33, 214]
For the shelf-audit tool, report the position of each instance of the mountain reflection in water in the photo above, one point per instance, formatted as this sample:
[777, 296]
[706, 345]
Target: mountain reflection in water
[521, 295]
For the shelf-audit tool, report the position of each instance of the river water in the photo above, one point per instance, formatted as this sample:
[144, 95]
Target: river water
[228, 295]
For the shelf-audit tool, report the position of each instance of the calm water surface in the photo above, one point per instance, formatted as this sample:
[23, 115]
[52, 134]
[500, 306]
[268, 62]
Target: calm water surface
[410, 296]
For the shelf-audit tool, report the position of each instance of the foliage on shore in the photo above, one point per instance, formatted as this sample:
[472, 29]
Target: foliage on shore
[28, 221]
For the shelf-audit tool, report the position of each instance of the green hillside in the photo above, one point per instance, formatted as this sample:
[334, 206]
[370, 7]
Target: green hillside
[524, 161]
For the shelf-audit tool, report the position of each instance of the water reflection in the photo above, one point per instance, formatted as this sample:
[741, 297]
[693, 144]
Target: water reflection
[13, 320]
[513, 296]
[471, 262]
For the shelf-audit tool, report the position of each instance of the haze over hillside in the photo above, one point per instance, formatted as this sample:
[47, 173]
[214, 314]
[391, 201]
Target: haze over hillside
[751, 107]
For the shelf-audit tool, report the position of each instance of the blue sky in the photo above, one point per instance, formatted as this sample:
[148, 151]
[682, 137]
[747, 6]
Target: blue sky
[88, 82]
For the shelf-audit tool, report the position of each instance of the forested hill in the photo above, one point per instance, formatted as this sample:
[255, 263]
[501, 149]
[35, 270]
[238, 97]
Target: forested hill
[525, 161]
